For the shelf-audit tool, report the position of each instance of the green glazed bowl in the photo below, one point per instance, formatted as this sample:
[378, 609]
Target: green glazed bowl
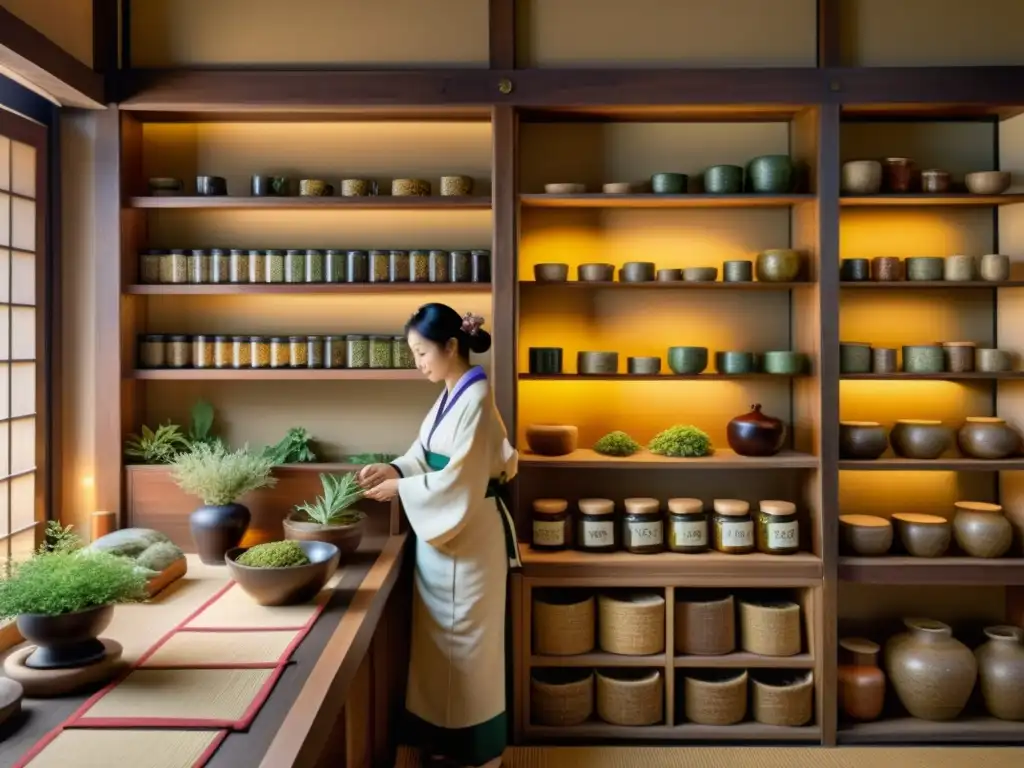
[686, 361]
[734, 363]
[924, 358]
[925, 268]
[669, 183]
[778, 265]
[785, 363]
[723, 180]
[770, 174]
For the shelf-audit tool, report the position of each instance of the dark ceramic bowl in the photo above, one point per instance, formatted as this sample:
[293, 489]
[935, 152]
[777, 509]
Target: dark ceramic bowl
[67, 639]
[771, 174]
[286, 586]
[669, 183]
[637, 272]
[546, 360]
[920, 439]
[211, 186]
[595, 273]
[735, 363]
[687, 361]
[862, 440]
[723, 180]
[551, 273]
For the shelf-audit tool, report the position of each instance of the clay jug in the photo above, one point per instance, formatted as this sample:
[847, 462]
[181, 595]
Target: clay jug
[756, 434]
[861, 681]
[1001, 669]
[932, 673]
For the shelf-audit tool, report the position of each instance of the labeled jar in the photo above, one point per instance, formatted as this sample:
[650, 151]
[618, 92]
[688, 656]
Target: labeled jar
[149, 266]
[380, 266]
[643, 527]
[202, 351]
[241, 352]
[152, 351]
[460, 267]
[294, 266]
[334, 266]
[238, 266]
[257, 266]
[280, 352]
[439, 266]
[259, 354]
[732, 527]
[315, 351]
[222, 354]
[178, 351]
[334, 351]
[595, 525]
[275, 267]
[398, 267]
[174, 267]
[380, 351]
[198, 267]
[298, 351]
[687, 526]
[481, 266]
[220, 266]
[358, 348]
[778, 532]
[401, 353]
[419, 266]
[314, 266]
[357, 267]
[551, 524]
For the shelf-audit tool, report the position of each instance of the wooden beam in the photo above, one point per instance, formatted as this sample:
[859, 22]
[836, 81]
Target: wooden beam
[504, 263]
[829, 34]
[33, 56]
[502, 22]
[997, 86]
[105, 37]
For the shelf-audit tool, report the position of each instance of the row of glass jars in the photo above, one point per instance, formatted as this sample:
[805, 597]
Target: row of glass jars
[352, 351]
[644, 529]
[217, 265]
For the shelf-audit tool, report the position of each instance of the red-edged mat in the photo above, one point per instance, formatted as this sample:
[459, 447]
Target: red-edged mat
[52, 751]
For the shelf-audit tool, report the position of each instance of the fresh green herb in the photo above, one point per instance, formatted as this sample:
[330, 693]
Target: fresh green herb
[59, 538]
[293, 449]
[340, 493]
[219, 476]
[371, 458]
[159, 447]
[202, 424]
[681, 441]
[617, 444]
[276, 554]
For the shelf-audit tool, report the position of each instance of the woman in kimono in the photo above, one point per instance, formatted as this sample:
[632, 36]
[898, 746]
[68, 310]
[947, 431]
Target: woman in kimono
[450, 484]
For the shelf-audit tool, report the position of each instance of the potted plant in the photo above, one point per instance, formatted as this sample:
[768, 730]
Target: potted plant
[220, 477]
[63, 598]
[330, 518]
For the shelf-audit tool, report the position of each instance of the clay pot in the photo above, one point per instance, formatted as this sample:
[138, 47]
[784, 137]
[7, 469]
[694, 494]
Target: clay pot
[886, 269]
[637, 272]
[723, 180]
[925, 268]
[737, 271]
[67, 639]
[771, 174]
[216, 529]
[924, 358]
[923, 535]
[595, 273]
[669, 275]
[778, 265]
[866, 535]
[987, 438]
[861, 177]
[700, 274]
[981, 530]
[994, 267]
[861, 681]
[897, 174]
[1001, 672]
[687, 361]
[756, 434]
[920, 439]
[552, 439]
[987, 182]
[550, 273]
[854, 357]
[345, 537]
[862, 440]
[932, 673]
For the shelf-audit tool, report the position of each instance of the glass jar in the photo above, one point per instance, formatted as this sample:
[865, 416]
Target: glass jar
[358, 351]
[551, 524]
[257, 266]
[198, 267]
[315, 351]
[220, 266]
[314, 266]
[419, 266]
[238, 266]
[202, 351]
[643, 527]
[152, 351]
[259, 354]
[298, 351]
[280, 352]
[401, 354]
[688, 526]
[357, 267]
[380, 266]
[778, 532]
[334, 266]
[595, 525]
[275, 267]
[295, 267]
[149, 266]
[398, 267]
[178, 352]
[460, 267]
[334, 351]
[733, 527]
[439, 266]
[481, 266]
[174, 267]
[222, 353]
[380, 351]
[241, 352]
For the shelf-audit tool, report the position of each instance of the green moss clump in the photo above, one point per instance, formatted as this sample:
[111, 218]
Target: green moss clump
[159, 556]
[276, 554]
[681, 441]
[617, 444]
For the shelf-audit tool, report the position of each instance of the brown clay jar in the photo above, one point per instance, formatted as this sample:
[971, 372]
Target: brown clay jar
[861, 681]
[981, 530]
[886, 269]
[1001, 672]
[756, 434]
[897, 174]
[932, 672]
[987, 438]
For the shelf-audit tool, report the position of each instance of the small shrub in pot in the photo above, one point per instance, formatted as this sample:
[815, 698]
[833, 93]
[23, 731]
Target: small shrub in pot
[331, 517]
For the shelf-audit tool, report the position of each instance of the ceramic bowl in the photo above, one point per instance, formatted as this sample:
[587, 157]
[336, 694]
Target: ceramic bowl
[861, 177]
[854, 270]
[210, 186]
[723, 180]
[551, 273]
[862, 440]
[925, 268]
[778, 265]
[565, 188]
[920, 439]
[735, 363]
[687, 361]
[552, 439]
[987, 182]
[866, 535]
[924, 358]
[854, 357]
[988, 438]
[992, 360]
[784, 362]
[285, 586]
[959, 268]
[770, 174]
[643, 366]
[619, 188]
[994, 267]
[637, 272]
[545, 360]
[923, 535]
[595, 273]
[700, 274]
[740, 271]
[670, 275]
[669, 183]
[597, 363]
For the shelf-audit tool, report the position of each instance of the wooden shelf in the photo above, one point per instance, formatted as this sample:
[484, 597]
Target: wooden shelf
[598, 732]
[648, 200]
[277, 374]
[743, 660]
[952, 464]
[666, 285]
[235, 289]
[896, 569]
[958, 199]
[383, 202]
[585, 458]
[655, 376]
[599, 659]
[917, 285]
[910, 730]
[972, 376]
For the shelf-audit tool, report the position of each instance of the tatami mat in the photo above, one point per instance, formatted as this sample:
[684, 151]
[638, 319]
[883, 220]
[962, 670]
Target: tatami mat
[235, 610]
[198, 650]
[97, 748]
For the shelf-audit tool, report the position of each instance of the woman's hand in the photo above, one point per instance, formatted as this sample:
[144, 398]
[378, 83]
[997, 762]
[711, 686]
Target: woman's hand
[383, 491]
[374, 474]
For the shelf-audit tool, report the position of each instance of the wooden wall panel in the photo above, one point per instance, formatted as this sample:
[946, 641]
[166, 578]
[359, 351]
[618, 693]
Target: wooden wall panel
[68, 23]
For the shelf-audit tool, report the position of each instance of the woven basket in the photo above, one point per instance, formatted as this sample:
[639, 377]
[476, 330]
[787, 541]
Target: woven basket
[631, 624]
[561, 697]
[630, 696]
[783, 698]
[563, 623]
[705, 625]
[716, 697]
[770, 629]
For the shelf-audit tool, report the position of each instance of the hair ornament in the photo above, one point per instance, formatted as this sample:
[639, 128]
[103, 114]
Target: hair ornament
[471, 323]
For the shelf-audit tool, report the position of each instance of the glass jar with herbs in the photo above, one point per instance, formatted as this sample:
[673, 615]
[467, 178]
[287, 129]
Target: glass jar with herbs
[257, 266]
[732, 527]
[174, 267]
[202, 351]
[220, 266]
[481, 266]
[401, 354]
[595, 525]
[314, 266]
[778, 531]
[398, 269]
[259, 353]
[280, 352]
[419, 266]
[643, 526]
[149, 266]
[275, 267]
[357, 267]
[198, 267]
[380, 266]
[223, 356]
[460, 267]
[334, 266]
[552, 524]
[241, 352]
[687, 526]
[335, 351]
[238, 266]
[295, 266]
[380, 351]
[315, 351]
[152, 351]
[179, 351]
[358, 348]
[298, 351]
[439, 266]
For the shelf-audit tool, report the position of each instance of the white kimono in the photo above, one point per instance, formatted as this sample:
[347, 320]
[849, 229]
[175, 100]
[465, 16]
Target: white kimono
[456, 691]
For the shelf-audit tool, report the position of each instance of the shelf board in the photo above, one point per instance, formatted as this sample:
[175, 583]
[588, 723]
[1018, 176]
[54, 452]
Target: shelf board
[599, 659]
[917, 285]
[654, 376]
[382, 202]
[598, 732]
[277, 374]
[896, 569]
[951, 464]
[649, 200]
[910, 730]
[235, 289]
[960, 199]
[318, 467]
[972, 376]
[743, 660]
[585, 458]
[666, 285]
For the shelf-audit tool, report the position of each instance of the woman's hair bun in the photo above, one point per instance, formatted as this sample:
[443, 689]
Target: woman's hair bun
[480, 342]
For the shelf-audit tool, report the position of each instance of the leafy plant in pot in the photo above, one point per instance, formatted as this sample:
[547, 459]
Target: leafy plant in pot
[330, 518]
[220, 477]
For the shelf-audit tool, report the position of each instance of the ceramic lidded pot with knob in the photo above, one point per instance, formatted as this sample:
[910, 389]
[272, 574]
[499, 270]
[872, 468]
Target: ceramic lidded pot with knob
[988, 438]
[981, 530]
[756, 434]
[920, 438]
[861, 681]
[932, 672]
[1001, 672]
[862, 440]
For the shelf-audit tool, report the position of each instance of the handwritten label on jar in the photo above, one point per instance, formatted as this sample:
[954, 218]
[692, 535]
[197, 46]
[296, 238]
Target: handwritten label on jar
[737, 534]
[646, 534]
[783, 535]
[548, 533]
[690, 534]
[597, 534]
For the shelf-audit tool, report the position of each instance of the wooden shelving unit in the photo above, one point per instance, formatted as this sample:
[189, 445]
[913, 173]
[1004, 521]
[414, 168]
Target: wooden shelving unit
[673, 285]
[586, 458]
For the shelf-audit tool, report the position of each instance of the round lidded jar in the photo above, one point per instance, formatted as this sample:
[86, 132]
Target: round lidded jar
[315, 267]
[778, 532]
[358, 351]
[643, 527]
[174, 267]
[380, 351]
[202, 351]
[275, 267]
[152, 351]
[688, 526]
[222, 353]
[595, 525]
[733, 527]
[257, 266]
[220, 266]
[260, 351]
[280, 355]
[295, 266]
[551, 524]
[179, 352]
[241, 352]
[149, 266]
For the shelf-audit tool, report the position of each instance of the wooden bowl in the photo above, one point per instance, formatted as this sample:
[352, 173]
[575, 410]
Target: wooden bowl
[552, 439]
[866, 535]
[987, 182]
[286, 586]
[565, 189]
[923, 535]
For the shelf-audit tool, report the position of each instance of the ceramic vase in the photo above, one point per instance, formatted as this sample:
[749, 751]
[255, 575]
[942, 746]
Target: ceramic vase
[756, 434]
[983, 437]
[216, 529]
[981, 530]
[1001, 672]
[932, 673]
[861, 680]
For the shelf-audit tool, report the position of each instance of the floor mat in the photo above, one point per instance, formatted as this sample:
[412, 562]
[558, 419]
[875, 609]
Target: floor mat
[212, 650]
[233, 611]
[98, 748]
